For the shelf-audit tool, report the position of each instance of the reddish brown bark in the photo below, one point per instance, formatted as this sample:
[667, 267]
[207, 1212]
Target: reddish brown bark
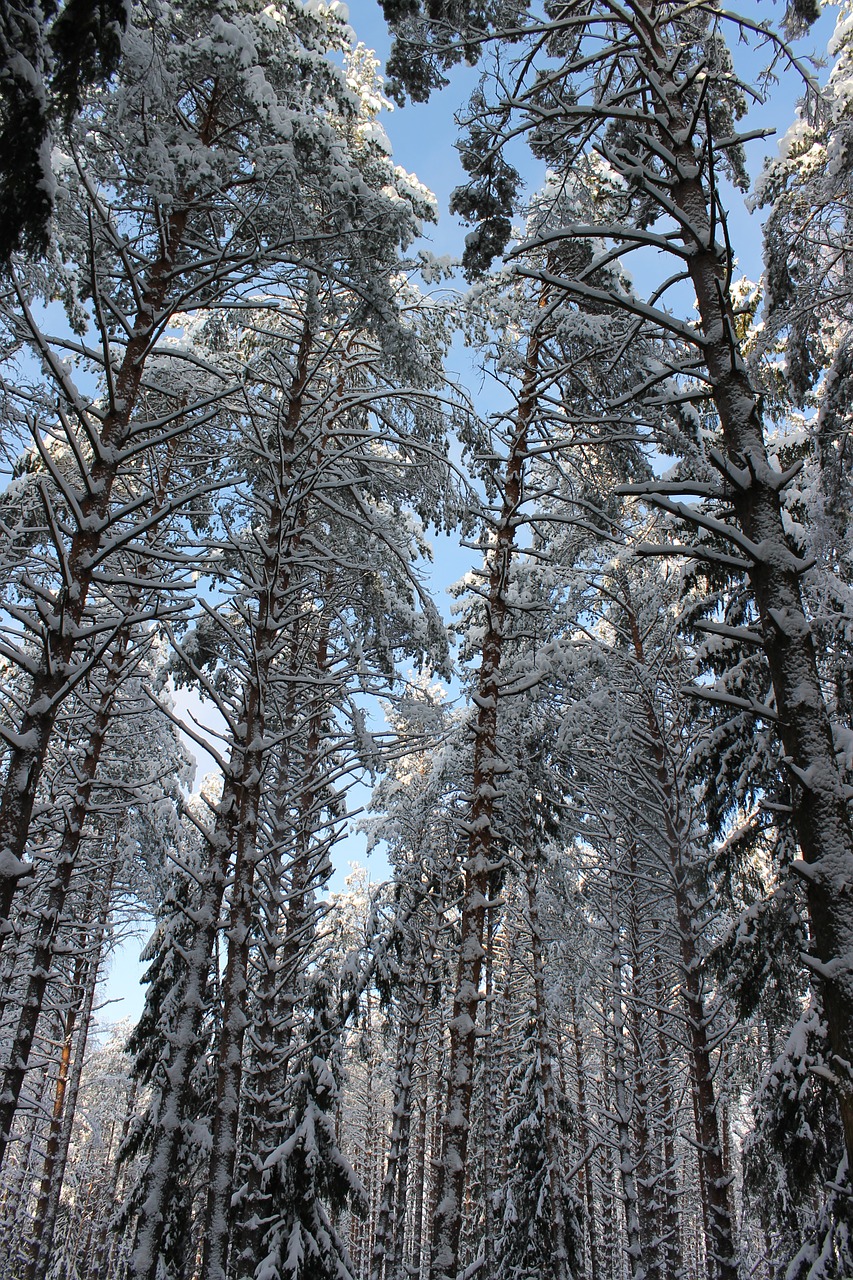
[481, 854]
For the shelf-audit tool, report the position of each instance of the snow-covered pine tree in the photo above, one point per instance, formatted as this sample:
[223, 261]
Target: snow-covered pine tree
[526, 1213]
[310, 1178]
[219, 170]
[533, 460]
[652, 91]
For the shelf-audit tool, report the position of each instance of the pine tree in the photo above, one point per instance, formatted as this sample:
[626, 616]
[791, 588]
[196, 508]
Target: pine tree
[652, 91]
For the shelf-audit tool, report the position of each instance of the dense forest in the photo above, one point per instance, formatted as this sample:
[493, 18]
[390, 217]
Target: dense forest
[596, 1021]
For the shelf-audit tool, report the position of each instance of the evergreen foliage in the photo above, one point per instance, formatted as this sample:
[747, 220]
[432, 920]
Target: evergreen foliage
[596, 1022]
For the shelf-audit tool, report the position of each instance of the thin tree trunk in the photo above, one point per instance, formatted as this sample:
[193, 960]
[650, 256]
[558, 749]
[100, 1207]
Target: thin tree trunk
[622, 1101]
[479, 866]
[390, 1220]
[421, 1166]
[671, 1244]
[67, 1091]
[14, 1218]
[715, 1178]
[558, 1262]
[50, 915]
[97, 1267]
[436, 1153]
[646, 1202]
[488, 1100]
[588, 1187]
[611, 1233]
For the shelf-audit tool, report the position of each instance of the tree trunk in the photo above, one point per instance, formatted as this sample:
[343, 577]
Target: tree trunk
[587, 1184]
[715, 1178]
[622, 1100]
[50, 915]
[480, 862]
[391, 1216]
[217, 1230]
[298, 932]
[820, 809]
[488, 1118]
[52, 678]
[176, 1087]
[646, 1202]
[67, 1090]
[98, 1268]
[671, 1244]
[420, 1162]
[559, 1261]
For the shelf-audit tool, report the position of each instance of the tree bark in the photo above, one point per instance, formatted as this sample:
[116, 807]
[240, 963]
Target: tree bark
[820, 810]
[559, 1262]
[67, 1091]
[50, 915]
[621, 1095]
[480, 862]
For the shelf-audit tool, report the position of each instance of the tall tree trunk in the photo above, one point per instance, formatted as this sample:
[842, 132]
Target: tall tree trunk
[588, 1183]
[391, 1216]
[646, 1202]
[217, 1230]
[559, 1261]
[50, 915]
[479, 866]
[821, 811]
[715, 1178]
[52, 677]
[18, 1178]
[270, 1035]
[298, 932]
[67, 1090]
[671, 1244]
[97, 1263]
[621, 1094]
[487, 1105]
[175, 1086]
[611, 1232]
[417, 1251]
